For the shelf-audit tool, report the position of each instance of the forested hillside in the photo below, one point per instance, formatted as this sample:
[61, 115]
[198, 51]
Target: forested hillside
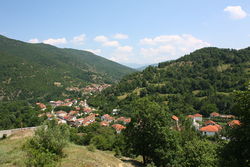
[40, 71]
[199, 82]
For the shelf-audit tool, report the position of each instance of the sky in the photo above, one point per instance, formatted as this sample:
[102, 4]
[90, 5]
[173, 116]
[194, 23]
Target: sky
[130, 32]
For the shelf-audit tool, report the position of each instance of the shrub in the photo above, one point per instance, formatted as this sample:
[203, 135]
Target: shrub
[46, 147]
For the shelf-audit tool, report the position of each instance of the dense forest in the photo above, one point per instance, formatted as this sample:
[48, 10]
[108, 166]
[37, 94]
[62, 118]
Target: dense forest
[18, 114]
[42, 72]
[202, 82]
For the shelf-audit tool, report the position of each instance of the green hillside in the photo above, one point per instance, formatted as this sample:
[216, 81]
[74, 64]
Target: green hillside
[12, 154]
[29, 71]
[199, 82]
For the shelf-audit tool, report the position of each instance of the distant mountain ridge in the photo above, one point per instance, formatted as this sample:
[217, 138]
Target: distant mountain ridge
[29, 71]
[144, 67]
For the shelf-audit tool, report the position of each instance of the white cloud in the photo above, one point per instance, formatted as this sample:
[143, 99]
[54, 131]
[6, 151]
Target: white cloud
[95, 51]
[34, 40]
[123, 54]
[151, 52]
[105, 41]
[125, 49]
[57, 41]
[120, 36]
[101, 38]
[236, 12]
[79, 39]
[111, 43]
[169, 47]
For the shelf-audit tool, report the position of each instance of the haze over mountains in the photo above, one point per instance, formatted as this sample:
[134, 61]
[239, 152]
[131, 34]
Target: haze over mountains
[30, 71]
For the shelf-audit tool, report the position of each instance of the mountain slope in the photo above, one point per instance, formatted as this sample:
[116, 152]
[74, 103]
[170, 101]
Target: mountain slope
[202, 81]
[29, 71]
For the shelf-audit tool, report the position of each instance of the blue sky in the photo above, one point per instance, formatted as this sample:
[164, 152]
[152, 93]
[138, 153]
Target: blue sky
[131, 32]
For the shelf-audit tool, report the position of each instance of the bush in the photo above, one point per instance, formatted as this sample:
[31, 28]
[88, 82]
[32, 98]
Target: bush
[46, 147]
[91, 148]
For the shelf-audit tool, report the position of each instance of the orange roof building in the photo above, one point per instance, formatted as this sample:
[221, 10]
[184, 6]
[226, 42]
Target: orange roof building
[175, 118]
[210, 122]
[107, 118]
[104, 123]
[124, 120]
[118, 127]
[234, 123]
[210, 130]
[214, 114]
[197, 115]
[41, 106]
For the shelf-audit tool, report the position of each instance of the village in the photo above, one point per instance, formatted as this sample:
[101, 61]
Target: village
[84, 115]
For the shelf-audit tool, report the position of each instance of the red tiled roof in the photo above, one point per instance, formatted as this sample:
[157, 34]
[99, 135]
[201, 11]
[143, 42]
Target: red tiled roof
[87, 110]
[234, 122]
[49, 115]
[197, 115]
[190, 116]
[73, 112]
[41, 105]
[175, 118]
[218, 126]
[210, 122]
[104, 123]
[210, 128]
[108, 117]
[77, 108]
[118, 127]
[214, 114]
[123, 119]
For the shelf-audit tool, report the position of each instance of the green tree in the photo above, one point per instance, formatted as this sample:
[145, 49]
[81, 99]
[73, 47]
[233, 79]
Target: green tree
[237, 152]
[207, 108]
[46, 147]
[145, 132]
[199, 153]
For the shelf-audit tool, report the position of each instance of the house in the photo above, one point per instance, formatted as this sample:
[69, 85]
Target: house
[88, 120]
[69, 104]
[61, 113]
[74, 101]
[210, 122]
[227, 116]
[234, 123]
[197, 117]
[104, 123]
[67, 100]
[61, 121]
[124, 120]
[85, 121]
[214, 114]
[209, 130]
[107, 118]
[56, 103]
[41, 106]
[176, 119]
[87, 110]
[73, 112]
[77, 108]
[115, 111]
[50, 116]
[118, 127]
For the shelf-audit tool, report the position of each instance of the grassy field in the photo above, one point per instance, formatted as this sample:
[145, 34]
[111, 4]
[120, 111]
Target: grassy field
[12, 155]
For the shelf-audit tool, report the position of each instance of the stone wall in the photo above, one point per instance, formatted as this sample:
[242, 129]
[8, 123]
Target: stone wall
[12, 131]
